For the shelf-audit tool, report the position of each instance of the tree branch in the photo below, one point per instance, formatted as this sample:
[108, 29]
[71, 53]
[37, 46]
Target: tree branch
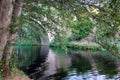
[38, 22]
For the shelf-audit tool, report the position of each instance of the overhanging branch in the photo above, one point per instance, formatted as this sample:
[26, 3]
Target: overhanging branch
[38, 22]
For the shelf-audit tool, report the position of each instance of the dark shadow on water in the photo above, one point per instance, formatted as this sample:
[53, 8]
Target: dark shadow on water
[37, 67]
[31, 59]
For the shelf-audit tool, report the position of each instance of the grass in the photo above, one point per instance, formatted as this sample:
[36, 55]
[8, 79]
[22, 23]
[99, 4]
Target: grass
[79, 46]
[84, 46]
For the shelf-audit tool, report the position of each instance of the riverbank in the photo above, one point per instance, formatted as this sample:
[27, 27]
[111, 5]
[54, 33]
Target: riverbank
[75, 45]
[16, 75]
[84, 46]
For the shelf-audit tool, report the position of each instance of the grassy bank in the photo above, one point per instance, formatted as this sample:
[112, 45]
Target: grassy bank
[84, 46]
[78, 46]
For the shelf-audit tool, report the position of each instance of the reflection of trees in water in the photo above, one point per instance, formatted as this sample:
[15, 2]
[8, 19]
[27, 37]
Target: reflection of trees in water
[25, 55]
[105, 64]
[85, 64]
[91, 60]
[36, 69]
[58, 65]
[31, 59]
[80, 63]
[118, 67]
[101, 66]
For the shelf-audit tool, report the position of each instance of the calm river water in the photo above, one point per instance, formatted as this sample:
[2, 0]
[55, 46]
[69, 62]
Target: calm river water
[43, 63]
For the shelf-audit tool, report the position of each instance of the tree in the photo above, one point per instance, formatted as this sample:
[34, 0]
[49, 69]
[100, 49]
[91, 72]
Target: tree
[10, 10]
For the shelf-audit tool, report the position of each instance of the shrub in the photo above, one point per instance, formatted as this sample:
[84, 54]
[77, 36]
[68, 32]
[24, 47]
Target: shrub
[81, 29]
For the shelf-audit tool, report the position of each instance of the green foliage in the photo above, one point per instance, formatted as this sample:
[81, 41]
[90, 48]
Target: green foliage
[104, 30]
[90, 46]
[108, 25]
[60, 43]
[81, 29]
[106, 37]
[14, 24]
[28, 34]
[65, 44]
[12, 63]
[1, 69]
[59, 50]
[55, 13]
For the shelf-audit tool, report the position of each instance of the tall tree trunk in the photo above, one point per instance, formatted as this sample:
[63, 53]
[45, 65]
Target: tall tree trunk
[9, 10]
[12, 36]
[6, 10]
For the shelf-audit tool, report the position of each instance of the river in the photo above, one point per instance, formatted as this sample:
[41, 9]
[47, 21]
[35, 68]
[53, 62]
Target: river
[43, 63]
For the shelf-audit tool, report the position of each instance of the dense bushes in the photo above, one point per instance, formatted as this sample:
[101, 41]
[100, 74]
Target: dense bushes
[60, 42]
[81, 29]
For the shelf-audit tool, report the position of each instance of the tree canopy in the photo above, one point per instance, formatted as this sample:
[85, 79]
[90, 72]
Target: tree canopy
[53, 13]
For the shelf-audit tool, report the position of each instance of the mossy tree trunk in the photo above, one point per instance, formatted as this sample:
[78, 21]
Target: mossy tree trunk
[6, 10]
[10, 10]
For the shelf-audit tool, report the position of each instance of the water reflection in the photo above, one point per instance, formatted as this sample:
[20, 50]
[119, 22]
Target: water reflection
[40, 63]
[31, 59]
[38, 66]
[94, 72]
